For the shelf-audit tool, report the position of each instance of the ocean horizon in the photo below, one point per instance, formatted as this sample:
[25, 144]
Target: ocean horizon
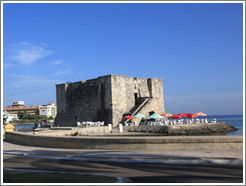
[236, 120]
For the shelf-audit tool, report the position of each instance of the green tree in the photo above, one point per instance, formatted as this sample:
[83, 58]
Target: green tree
[44, 118]
[50, 118]
[20, 114]
[25, 115]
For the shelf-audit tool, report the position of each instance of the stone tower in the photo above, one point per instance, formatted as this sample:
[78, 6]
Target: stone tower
[108, 98]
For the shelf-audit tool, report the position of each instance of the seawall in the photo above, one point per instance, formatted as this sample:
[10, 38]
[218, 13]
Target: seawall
[128, 143]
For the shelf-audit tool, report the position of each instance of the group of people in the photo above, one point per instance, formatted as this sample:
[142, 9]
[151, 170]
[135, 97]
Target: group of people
[171, 122]
[90, 124]
[150, 122]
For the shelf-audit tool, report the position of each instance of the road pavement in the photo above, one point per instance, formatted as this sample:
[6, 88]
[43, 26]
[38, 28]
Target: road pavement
[199, 166]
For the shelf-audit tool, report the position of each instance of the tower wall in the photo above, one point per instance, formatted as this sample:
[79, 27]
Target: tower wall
[84, 101]
[126, 89]
[107, 98]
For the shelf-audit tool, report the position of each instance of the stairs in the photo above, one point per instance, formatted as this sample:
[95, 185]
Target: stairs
[135, 110]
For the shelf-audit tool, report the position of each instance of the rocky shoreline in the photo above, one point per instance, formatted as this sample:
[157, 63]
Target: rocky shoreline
[219, 128]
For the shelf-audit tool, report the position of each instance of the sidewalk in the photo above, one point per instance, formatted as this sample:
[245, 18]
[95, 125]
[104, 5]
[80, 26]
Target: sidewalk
[230, 156]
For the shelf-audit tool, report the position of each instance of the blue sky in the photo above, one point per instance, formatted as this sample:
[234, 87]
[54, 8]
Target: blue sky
[197, 49]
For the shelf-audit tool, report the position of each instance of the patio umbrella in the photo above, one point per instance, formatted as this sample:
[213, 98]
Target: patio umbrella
[189, 115]
[128, 117]
[200, 114]
[139, 116]
[166, 115]
[156, 116]
[182, 114]
[176, 116]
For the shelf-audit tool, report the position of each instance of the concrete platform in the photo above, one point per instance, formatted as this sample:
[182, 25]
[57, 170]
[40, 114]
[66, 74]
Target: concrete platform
[126, 143]
[124, 153]
[140, 166]
[154, 156]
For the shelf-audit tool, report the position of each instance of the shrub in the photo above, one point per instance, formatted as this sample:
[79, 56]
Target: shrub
[50, 118]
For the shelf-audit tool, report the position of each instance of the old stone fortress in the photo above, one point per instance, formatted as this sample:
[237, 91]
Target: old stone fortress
[99, 107]
[108, 98]
[105, 101]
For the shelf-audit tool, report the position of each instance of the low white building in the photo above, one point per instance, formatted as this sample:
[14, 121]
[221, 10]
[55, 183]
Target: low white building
[17, 103]
[9, 117]
[48, 110]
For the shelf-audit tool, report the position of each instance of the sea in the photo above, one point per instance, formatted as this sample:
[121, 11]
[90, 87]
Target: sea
[234, 120]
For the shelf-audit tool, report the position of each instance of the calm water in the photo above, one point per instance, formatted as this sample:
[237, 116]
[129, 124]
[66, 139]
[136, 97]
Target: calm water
[24, 127]
[234, 120]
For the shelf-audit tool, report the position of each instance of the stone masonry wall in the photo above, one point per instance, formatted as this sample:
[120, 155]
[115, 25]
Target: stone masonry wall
[124, 90]
[106, 98]
[84, 101]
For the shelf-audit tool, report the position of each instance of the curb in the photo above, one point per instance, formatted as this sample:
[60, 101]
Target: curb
[119, 180]
[127, 160]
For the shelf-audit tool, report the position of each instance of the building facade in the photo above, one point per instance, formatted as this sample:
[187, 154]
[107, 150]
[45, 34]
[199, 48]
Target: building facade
[18, 106]
[9, 117]
[108, 98]
[16, 109]
[48, 110]
[17, 103]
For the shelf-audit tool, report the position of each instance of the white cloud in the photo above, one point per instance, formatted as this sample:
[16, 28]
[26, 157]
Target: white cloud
[64, 67]
[58, 62]
[24, 44]
[26, 53]
[61, 72]
[32, 81]
[8, 65]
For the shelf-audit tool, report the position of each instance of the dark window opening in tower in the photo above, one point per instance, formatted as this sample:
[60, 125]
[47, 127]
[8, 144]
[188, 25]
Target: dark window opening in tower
[136, 98]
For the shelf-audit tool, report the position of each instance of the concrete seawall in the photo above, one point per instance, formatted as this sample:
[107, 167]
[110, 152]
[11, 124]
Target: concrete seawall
[129, 143]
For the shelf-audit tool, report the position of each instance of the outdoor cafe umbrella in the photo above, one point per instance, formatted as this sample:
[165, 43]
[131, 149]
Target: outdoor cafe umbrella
[166, 115]
[200, 114]
[190, 115]
[176, 116]
[182, 114]
[139, 116]
[156, 116]
[128, 117]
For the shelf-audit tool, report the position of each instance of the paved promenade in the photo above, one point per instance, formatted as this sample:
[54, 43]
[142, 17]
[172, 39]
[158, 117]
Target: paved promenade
[137, 166]
[11, 148]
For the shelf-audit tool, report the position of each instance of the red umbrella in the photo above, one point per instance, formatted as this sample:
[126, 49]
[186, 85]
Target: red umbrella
[200, 114]
[189, 115]
[166, 115]
[176, 116]
[182, 115]
[128, 117]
